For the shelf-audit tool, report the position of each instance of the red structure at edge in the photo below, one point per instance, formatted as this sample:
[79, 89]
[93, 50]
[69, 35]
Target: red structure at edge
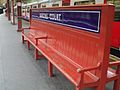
[116, 35]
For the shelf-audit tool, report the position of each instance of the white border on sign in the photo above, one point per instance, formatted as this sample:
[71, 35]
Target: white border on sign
[87, 29]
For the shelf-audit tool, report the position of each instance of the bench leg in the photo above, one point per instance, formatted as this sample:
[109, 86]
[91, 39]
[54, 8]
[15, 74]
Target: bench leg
[97, 88]
[36, 54]
[41, 56]
[22, 39]
[117, 84]
[79, 88]
[50, 69]
[28, 45]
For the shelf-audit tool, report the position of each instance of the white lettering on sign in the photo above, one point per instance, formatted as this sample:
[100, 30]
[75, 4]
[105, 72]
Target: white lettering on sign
[43, 15]
[50, 16]
[56, 17]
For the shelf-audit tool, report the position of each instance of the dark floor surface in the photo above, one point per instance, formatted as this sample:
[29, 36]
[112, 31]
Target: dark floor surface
[18, 68]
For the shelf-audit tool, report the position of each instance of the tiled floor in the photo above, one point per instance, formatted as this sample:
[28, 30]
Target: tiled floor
[18, 68]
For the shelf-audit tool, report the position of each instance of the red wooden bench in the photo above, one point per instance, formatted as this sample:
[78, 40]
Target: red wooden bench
[79, 52]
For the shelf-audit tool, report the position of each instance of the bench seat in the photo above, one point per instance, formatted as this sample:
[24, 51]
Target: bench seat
[65, 65]
[69, 68]
[111, 75]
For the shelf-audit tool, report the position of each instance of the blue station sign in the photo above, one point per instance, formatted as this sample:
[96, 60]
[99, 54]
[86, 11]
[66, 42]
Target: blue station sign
[84, 20]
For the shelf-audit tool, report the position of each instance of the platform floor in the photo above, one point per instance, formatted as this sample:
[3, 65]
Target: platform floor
[18, 68]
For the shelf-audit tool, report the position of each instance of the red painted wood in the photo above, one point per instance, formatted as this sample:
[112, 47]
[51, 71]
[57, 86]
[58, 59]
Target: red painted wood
[65, 2]
[36, 54]
[105, 1]
[28, 45]
[19, 15]
[8, 10]
[116, 34]
[50, 69]
[76, 52]
[13, 12]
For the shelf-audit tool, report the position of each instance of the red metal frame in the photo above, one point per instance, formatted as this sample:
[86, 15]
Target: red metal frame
[65, 2]
[76, 52]
[13, 12]
[105, 1]
[19, 15]
[116, 35]
[8, 10]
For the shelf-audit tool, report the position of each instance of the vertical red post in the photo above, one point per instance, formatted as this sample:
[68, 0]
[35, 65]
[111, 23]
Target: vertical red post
[13, 16]
[19, 15]
[8, 9]
[65, 2]
[105, 1]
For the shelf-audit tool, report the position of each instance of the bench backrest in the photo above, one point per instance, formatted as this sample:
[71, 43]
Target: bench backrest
[81, 34]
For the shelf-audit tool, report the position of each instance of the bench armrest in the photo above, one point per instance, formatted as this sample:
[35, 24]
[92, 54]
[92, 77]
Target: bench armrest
[116, 63]
[82, 72]
[25, 29]
[37, 38]
[41, 37]
[87, 69]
